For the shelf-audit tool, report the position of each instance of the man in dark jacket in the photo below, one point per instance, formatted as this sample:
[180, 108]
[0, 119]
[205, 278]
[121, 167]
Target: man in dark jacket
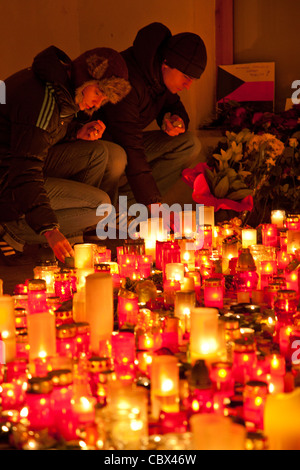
[160, 66]
[53, 173]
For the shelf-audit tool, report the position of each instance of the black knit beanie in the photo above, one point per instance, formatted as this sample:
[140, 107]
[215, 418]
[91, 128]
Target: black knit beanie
[187, 53]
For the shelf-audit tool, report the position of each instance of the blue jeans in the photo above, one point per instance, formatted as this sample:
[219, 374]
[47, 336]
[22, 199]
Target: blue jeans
[79, 176]
[167, 157]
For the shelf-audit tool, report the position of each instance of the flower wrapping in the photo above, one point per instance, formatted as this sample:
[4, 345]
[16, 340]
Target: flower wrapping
[195, 178]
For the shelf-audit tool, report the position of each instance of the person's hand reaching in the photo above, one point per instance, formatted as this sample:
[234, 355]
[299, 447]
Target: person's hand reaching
[59, 244]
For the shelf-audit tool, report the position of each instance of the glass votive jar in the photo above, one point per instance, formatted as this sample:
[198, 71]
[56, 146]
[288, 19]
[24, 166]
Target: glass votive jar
[244, 359]
[97, 366]
[204, 335]
[270, 294]
[222, 378]
[249, 237]
[37, 296]
[292, 222]
[292, 280]
[254, 396]
[46, 271]
[164, 384]
[128, 307]
[269, 234]
[66, 340]
[123, 353]
[63, 285]
[83, 338]
[230, 331]
[173, 422]
[278, 218]
[84, 254]
[39, 403]
[213, 293]
[174, 271]
[184, 302]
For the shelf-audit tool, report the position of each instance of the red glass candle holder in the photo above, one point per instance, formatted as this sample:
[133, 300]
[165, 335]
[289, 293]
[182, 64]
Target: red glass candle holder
[37, 296]
[213, 293]
[39, 403]
[292, 280]
[170, 254]
[63, 285]
[293, 222]
[285, 309]
[269, 234]
[66, 340]
[173, 422]
[128, 308]
[254, 396]
[83, 339]
[244, 359]
[123, 354]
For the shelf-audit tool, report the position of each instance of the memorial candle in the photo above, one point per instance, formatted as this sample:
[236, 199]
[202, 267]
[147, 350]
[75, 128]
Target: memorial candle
[204, 338]
[174, 271]
[293, 222]
[213, 293]
[41, 335]
[164, 385]
[39, 403]
[99, 308]
[267, 272]
[249, 237]
[8, 326]
[278, 218]
[46, 271]
[269, 234]
[277, 373]
[128, 308]
[281, 420]
[84, 255]
[216, 432]
[292, 280]
[254, 396]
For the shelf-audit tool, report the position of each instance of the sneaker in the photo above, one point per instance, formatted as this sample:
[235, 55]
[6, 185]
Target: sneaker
[10, 257]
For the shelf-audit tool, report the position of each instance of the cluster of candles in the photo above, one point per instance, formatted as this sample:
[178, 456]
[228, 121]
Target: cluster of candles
[206, 355]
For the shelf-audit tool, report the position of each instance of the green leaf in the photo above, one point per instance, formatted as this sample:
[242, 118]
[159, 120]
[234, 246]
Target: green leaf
[238, 184]
[240, 194]
[222, 187]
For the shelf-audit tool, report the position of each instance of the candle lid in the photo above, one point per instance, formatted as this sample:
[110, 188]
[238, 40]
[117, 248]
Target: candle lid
[36, 284]
[82, 327]
[98, 364]
[199, 376]
[63, 314]
[245, 261]
[61, 377]
[288, 294]
[245, 344]
[67, 330]
[213, 282]
[39, 385]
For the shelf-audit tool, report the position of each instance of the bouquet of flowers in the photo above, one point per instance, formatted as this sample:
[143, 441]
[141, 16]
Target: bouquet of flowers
[251, 172]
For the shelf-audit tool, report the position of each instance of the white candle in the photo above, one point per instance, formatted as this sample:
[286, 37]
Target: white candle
[175, 272]
[84, 255]
[99, 308]
[204, 339]
[278, 218]
[7, 327]
[249, 237]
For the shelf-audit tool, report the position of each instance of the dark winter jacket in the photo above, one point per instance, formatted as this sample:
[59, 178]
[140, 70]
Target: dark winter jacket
[148, 100]
[39, 108]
